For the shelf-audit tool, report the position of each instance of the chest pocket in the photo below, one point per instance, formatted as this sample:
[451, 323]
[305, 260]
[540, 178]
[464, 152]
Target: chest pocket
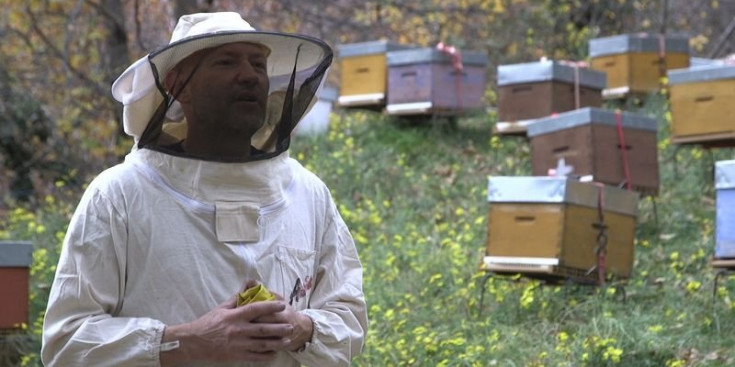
[293, 272]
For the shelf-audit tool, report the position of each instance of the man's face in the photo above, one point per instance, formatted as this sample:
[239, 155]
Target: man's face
[229, 88]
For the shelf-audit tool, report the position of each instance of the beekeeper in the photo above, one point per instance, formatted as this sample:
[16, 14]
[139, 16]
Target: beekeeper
[208, 203]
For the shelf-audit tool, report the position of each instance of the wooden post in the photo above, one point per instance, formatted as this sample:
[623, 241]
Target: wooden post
[662, 53]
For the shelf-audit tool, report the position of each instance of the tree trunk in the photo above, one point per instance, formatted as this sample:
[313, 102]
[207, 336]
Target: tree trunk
[117, 56]
[183, 7]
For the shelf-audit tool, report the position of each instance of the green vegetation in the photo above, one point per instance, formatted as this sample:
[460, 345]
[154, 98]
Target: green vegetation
[414, 196]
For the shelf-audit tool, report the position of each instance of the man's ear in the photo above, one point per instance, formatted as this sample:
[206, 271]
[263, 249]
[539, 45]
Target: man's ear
[174, 86]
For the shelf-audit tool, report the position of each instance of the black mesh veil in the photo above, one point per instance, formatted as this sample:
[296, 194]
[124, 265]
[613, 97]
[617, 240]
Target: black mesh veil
[295, 74]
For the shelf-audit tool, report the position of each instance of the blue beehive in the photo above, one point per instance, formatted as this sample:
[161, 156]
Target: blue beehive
[725, 225]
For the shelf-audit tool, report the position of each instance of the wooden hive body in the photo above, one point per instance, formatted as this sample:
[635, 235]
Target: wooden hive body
[632, 62]
[424, 81]
[15, 261]
[534, 90]
[544, 227]
[701, 105]
[364, 73]
[316, 121]
[588, 140]
[725, 210]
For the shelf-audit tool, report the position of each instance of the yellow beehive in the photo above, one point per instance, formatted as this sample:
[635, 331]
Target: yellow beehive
[545, 227]
[364, 73]
[633, 61]
[702, 106]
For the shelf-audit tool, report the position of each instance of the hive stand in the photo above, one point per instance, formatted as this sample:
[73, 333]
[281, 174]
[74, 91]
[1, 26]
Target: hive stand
[447, 118]
[725, 269]
[513, 129]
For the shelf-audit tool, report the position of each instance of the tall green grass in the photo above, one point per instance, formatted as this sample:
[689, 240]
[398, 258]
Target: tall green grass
[415, 198]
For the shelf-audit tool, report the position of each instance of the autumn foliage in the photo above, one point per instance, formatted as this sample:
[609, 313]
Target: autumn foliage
[58, 58]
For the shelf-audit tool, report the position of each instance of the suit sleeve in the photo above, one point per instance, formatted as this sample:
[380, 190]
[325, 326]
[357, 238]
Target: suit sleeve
[80, 327]
[337, 306]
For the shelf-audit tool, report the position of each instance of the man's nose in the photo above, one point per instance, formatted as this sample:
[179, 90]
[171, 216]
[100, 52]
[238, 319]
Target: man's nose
[247, 73]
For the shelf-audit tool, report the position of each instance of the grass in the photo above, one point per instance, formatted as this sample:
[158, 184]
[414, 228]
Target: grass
[414, 196]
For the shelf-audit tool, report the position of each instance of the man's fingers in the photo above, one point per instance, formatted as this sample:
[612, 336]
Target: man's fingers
[277, 318]
[273, 330]
[246, 355]
[255, 310]
[267, 344]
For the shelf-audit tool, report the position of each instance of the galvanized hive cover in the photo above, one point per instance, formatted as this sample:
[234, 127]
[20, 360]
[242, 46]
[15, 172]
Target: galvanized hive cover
[544, 71]
[16, 254]
[542, 189]
[590, 115]
[368, 48]
[635, 43]
[725, 175]
[328, 93]
[700, 74]
[432, 55]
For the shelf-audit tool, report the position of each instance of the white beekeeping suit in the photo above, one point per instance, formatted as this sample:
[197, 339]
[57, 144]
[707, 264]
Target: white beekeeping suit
[166, 236]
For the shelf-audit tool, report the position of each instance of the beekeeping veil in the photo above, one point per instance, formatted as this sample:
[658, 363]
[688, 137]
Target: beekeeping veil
[295, 65]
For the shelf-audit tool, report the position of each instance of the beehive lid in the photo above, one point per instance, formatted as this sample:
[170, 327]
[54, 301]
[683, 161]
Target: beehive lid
[725, 175]
[432, 55]
[368, 48]
[704, 73]
[640, 42]
[703, 61]
[589, 115]
[327, 93]
[15, 254]
[544, 71]
[545, 190]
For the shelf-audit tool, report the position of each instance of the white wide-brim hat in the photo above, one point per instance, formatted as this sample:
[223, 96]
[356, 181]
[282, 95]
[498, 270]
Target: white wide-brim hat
[140, 88]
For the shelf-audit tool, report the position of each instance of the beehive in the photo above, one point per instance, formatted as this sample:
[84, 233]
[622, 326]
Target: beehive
[632, 62]
[15, 261]
[546, 227]
[364, 73]
[538, 89]
[702, 107]
[424, 81]
[589, 141]
[316, 121]
[725, 210]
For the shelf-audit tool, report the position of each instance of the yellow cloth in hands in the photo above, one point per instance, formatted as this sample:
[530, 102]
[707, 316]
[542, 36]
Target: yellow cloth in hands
[254, 294]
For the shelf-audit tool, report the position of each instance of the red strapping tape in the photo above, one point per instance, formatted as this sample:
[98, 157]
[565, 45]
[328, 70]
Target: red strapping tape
[623, 150]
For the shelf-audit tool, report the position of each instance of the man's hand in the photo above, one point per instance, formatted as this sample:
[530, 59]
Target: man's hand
[229, 333]
[303, 327]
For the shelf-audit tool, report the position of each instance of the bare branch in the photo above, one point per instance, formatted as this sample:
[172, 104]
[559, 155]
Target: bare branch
[117, 20]
[723, 37]
[56, 52]
[138, 26]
